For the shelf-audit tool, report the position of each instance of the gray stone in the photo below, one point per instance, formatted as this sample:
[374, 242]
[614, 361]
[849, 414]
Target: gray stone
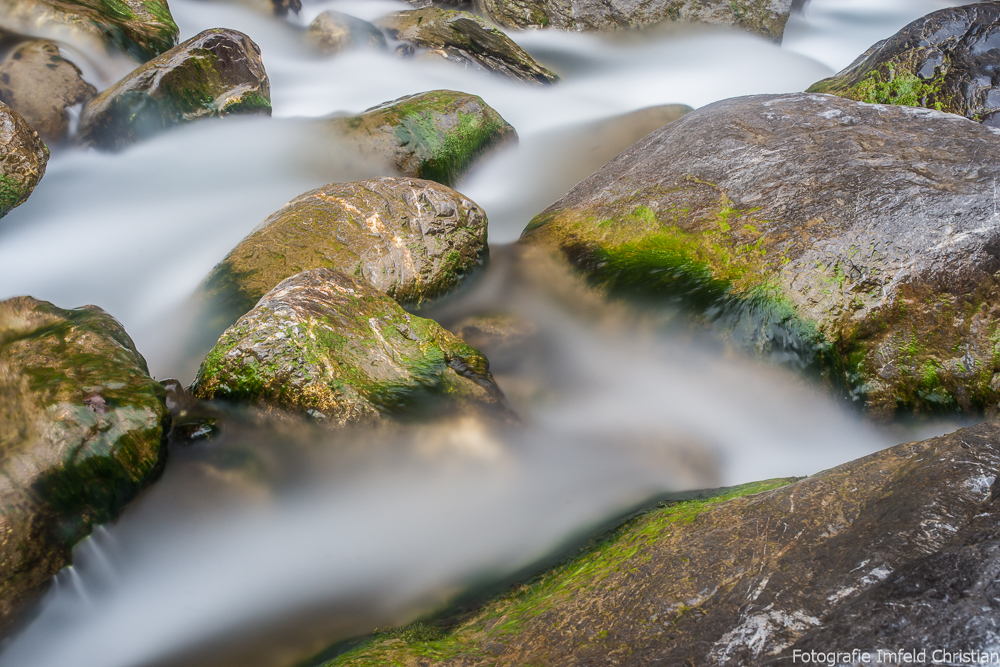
[333, 32]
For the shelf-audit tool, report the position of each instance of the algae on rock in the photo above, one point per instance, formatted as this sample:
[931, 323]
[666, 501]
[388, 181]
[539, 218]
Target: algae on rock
[23, 160]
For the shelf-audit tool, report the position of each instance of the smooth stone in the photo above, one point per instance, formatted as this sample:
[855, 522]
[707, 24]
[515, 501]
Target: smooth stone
[333, 32]
[22, 160]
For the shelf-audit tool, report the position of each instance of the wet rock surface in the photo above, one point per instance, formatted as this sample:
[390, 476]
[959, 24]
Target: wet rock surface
[82, 430]
[40, 85]
[743, 576]
[215, 73]
[333, 347]
[762, 17]
[333, 32]
[468, 40]
[942, 61]
[411, 239]
[437, 135]
[23, 161]
[854, 238]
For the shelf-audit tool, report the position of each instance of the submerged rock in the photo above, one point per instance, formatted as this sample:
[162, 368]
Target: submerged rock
[23, 159]
[217, 72]
[39, 84]
[411, 239]
[334, 347]
[438, 135]
[466, 39]
[945, 61]
[738, 576]
[766, 18]
[333, 32]
[854, 238]
[82, 430]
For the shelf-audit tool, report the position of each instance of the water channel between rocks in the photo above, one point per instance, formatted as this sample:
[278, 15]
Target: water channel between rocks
[209, 569]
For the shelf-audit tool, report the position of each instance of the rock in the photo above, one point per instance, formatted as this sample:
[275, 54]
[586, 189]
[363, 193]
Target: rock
[466, 39]
[22, 162]
[413, 240]
[82, 430]
[328, 345]
[438, 135]
[217, 72]
[738, 576]
[450, 4]
[943, 61]
[762, 17]
[853, 238]
[142, 28]
[39, 84]
[333, 32]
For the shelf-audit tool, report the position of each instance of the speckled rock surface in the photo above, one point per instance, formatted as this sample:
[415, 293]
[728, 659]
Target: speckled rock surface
[853, 238]
[333, 32]
[437, 135]
[334, 347]
[23, 159]
[217, 72]
[82, 430]
[468, 40]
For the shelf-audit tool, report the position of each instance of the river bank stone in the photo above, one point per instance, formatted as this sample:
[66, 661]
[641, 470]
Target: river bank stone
[217, 72]
[942, 61]
[333, 347]
[333, 32]
[766, 18]
[82, 428]
[411, 239]
[23, 161]
[38, 83]
[437, 135]
[466, 39]
[851, 238]
[738, 576]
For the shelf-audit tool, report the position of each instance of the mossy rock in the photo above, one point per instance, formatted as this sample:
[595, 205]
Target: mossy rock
[141, 28]
[468, 40]
[746, 575]
[38, 83]
[216, 73]
[82, 430]
[937, 62]
[333, 32]
[854, 240]
[766, 18]
[23, 160]
[438, 135]
[411, 239]
[328, 345]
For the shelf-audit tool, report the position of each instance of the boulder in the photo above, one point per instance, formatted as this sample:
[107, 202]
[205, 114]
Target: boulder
[23, 159]
[747, 575]
[466, 39]
[333, 32]
[438, 135]
[38, 83]
[217, 72]
[412, 240]
[334, 347]
[766, 18]
[943, 61]
[142, 28]
[856, 239]
[82, 430]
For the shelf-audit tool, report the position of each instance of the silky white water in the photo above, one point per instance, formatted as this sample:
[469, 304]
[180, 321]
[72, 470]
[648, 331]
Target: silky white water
[210, 566]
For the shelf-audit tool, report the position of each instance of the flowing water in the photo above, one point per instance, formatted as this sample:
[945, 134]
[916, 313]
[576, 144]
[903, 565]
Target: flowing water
[273, 542]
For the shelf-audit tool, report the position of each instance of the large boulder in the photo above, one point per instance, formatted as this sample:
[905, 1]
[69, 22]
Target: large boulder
[23, 159]
[466, 39]
[855, 238]
[411, 239]
[437, 135]
[38, 83]
[142, 28]
[217, 72]
[945, 61]
[333, 32]
[328, 345]
[766, 18]
[82, 430]
[746, 576]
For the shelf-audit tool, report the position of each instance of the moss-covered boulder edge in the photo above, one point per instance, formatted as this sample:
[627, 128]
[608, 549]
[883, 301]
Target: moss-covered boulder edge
[22, 161]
